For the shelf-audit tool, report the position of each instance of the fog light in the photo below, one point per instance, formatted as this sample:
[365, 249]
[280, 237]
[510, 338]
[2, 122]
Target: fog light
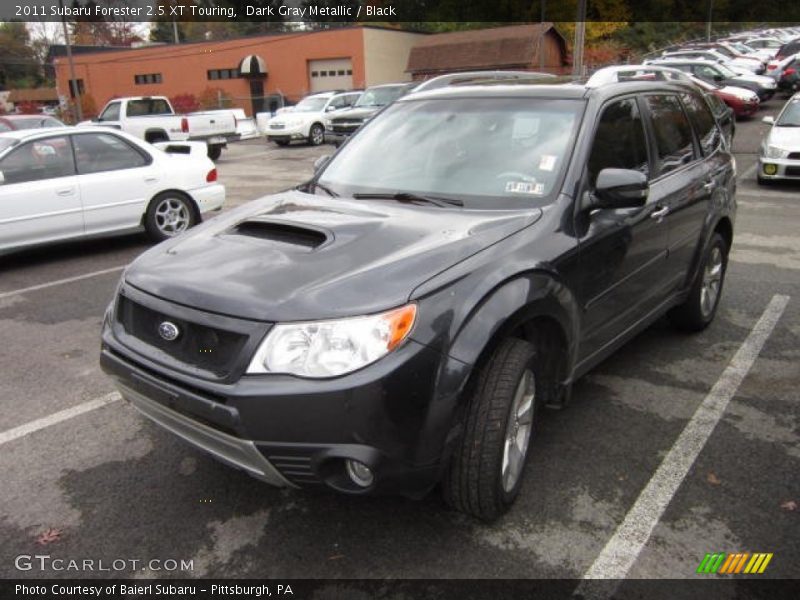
[770, 169]
[360, 473]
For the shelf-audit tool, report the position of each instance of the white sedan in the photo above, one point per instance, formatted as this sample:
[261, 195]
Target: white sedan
[780, 151]
[79, 182]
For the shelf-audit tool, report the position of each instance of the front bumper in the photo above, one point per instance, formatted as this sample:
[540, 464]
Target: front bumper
[395, 416]
[288, 133]
[209, 197]
[778, 168]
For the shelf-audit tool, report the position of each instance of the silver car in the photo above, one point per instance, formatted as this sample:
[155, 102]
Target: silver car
[780, 151]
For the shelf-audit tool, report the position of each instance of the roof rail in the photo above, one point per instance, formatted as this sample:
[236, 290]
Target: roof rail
[621, 73]
[467, 77]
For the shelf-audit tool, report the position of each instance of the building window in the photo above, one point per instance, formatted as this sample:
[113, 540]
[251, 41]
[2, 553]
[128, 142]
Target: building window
[340, 73]
[349, 71]
[323, 73]
[148, 78]
[72, 87]
[315, 73]
[332, 73]
[214, 74]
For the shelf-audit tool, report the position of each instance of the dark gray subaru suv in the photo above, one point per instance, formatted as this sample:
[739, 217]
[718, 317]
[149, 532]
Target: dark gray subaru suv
[400, 319]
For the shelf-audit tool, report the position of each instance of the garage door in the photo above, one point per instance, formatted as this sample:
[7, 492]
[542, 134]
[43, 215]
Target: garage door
[330, 74]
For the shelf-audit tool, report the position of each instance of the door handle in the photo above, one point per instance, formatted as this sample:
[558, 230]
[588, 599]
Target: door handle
[65, 192]
[150, 179]
[709, 186]
[660, 213]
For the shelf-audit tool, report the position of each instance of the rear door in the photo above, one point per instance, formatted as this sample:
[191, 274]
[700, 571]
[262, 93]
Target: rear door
[116, 180]
[622, 251]
[39, 199]
[679, 181]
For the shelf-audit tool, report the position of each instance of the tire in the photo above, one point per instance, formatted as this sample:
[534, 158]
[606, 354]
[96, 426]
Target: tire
[282, 142]
[169, 214]
[316, 135]
[480, 479]
[698, 310]
[214, 152]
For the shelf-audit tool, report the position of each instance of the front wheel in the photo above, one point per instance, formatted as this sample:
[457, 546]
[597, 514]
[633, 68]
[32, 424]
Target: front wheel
[699, 308]
[485, 473]
[169, 214]
[317, 135]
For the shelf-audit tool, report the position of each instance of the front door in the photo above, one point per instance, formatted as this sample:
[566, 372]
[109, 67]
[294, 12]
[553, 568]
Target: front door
[622, 251]
[257, 95]
[39, 198]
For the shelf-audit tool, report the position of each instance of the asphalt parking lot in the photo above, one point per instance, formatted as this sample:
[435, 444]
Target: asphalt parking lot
[106, 484]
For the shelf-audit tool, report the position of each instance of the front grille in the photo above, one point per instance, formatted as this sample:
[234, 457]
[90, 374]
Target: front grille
[200, 346]
[793, 171]
[794, 156]
[294, 465]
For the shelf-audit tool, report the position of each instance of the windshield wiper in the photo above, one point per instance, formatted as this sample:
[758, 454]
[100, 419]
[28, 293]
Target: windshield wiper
[410, 198]
[325, 189]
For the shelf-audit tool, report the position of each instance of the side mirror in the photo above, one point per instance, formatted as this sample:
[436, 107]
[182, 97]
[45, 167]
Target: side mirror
[619, 188]
[768, 120]
[330, 108]
[718, 78]
[321, 162]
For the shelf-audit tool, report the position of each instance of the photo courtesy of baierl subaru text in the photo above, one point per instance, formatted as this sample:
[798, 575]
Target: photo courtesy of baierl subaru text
[399, 299]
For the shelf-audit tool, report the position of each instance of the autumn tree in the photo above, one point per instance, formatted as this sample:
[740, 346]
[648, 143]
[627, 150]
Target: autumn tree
[18, 64]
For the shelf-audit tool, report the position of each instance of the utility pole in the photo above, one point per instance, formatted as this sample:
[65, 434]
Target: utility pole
[175, 28]
[708, 21]
[580, 37]
[72, 84]
[541, 38]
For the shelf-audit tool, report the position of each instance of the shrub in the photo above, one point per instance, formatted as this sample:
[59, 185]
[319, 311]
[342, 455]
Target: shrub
[184, 103]
[212, 98]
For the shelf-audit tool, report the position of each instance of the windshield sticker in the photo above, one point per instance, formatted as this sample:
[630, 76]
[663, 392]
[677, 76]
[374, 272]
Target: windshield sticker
[547, 162]
[525, 187]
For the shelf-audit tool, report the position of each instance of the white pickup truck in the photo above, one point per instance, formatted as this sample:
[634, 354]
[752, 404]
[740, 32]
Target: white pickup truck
[153, 119]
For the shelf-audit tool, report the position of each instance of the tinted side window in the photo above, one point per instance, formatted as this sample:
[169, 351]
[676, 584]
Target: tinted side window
[672, 132]
[619, 142]
[96, 152]
[705, 127]
[41, 159]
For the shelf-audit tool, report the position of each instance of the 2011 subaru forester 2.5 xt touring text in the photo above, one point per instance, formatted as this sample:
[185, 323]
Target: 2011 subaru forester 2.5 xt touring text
[400, 319]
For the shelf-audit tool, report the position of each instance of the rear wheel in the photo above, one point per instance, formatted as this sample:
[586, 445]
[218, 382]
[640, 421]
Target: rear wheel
[214, 152]
[316, 135]
[169, 214]
[697, 312]
[485, 473]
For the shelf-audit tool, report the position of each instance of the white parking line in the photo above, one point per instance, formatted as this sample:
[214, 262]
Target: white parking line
[624, 547]
[62, 415]
[42, 286]
[748, 172]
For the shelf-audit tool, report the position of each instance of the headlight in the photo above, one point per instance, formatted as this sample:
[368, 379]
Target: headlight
[773, 152]
[331, 348]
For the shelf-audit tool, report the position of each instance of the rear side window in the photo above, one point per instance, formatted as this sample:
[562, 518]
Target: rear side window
[619, 142]
[98, 152]
[148, 106]
[705, 127]
[672, 132]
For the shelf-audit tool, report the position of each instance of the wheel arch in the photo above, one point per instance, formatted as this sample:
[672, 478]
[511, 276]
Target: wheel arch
[176, 191]
[155, 135]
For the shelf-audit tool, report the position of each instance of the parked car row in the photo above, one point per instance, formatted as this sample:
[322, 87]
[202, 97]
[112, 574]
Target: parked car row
[779, 157]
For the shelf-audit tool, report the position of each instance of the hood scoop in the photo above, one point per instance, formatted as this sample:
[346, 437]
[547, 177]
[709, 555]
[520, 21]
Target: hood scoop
[283, 233]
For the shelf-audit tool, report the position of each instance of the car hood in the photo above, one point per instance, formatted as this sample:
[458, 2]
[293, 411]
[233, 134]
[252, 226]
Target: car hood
[356, 113]
[295, 256]
[786, 138]
[740, 93]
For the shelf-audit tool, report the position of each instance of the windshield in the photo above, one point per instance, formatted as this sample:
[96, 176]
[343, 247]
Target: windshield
[310, 105]
[725, 71]
[743, 48]
[724, 51]
[790, 117]
[490, 153]
[29, 123]
[380, 96]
